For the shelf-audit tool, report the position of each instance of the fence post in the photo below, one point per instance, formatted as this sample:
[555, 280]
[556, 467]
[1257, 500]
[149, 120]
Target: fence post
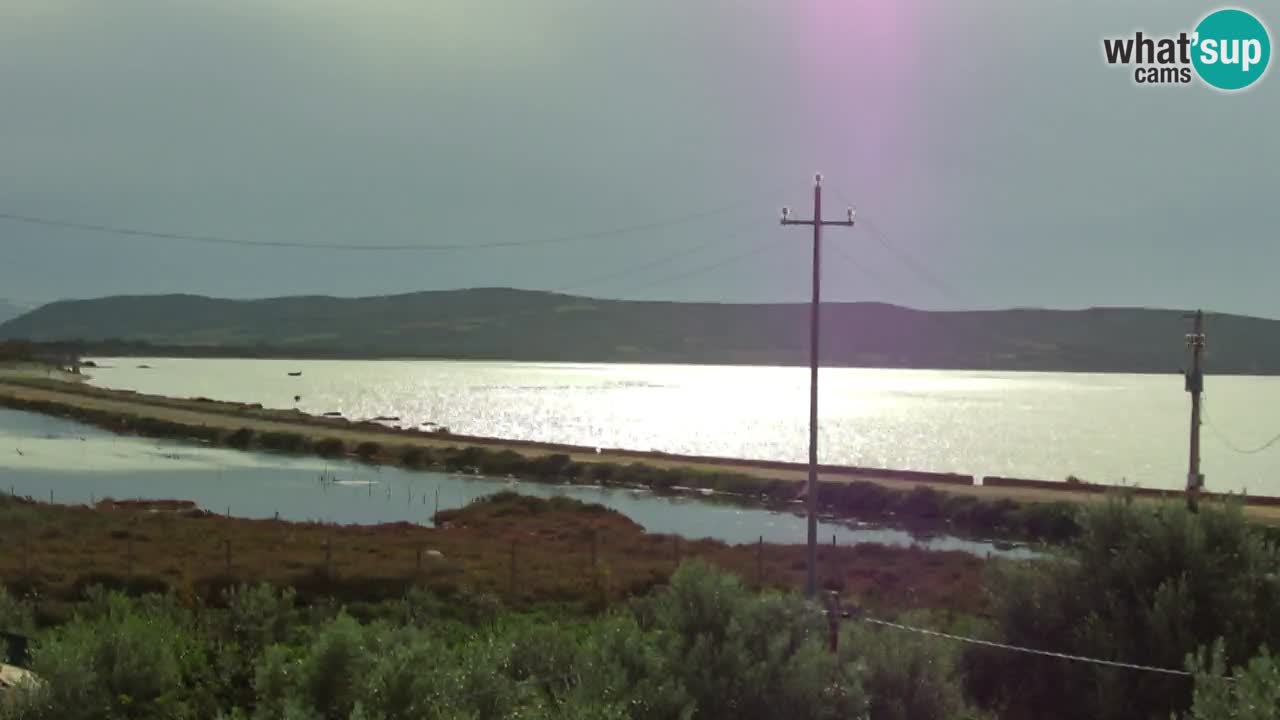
[760, 563]
[226, 546]
[833, 620]
[418, 562]
[129, 553]
[513, 569]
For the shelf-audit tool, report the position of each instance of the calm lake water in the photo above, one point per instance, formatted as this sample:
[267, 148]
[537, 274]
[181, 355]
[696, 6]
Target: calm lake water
[77, 463]
[1100, 427]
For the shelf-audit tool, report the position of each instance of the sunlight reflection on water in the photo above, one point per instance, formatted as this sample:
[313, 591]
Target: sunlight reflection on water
[1102, 428]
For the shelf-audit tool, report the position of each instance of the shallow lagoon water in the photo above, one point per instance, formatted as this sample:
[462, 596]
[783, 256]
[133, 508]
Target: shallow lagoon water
[77, 463]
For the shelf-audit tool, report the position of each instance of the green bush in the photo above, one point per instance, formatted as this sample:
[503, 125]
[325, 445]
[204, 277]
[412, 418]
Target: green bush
[621, 666]
[130, 661]
[256, 617]
[1250, 692]
[1142, 583]
[742, 656]
[16, 616]
[907, 676]
[405, 677]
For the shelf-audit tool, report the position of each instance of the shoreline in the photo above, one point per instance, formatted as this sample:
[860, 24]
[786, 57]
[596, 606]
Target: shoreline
[240, 353]
[249, 426]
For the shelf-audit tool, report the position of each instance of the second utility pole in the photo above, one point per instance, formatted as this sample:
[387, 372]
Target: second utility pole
[1195, 386]
[811, 492]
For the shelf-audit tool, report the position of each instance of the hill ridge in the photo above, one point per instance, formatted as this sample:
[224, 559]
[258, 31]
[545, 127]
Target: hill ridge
[517, 324]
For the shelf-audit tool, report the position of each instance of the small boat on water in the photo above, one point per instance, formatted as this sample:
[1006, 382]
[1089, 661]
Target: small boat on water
[295, 374]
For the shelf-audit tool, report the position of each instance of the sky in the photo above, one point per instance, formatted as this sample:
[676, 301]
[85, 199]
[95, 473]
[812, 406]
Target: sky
[995, 160]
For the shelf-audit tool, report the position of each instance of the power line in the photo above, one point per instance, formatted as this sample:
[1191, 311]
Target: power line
[919, 268]
[1231, 445]
[855, 264]
[658, 262]
[242, 242]
[908, 260]
[1027, 650]
[750, 252]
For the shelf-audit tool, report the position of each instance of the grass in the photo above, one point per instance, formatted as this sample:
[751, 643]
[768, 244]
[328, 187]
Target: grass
[53, 552]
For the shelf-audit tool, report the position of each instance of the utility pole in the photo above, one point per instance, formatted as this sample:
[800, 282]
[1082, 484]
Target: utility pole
[1195, 386]
[811, 494]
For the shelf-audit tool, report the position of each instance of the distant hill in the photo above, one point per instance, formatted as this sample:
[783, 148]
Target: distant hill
[9, 310]
[526, 325]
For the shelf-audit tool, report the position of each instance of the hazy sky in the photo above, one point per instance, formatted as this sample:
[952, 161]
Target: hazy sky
[985, 138]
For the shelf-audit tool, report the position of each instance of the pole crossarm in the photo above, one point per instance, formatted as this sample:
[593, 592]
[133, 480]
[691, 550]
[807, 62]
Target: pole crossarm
[824, 223]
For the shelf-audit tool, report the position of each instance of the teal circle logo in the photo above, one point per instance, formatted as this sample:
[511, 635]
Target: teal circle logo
[1232, 49]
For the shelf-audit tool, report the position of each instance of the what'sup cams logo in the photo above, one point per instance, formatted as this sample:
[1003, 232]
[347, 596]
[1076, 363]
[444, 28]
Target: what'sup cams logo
[1228, 50]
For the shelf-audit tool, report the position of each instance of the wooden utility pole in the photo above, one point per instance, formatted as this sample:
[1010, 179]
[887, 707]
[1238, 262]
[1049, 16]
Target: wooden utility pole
[811, 493]
[1195, 386]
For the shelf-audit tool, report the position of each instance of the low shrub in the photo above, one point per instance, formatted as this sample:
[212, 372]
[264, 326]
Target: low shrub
[548, 466]
[412, 456]
[368, 450]
[240, 439]
[283, 442]
[331, 447]
[603, 473]
[465, 459]
[921, 503]
[1055, 522]
[501, 463]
